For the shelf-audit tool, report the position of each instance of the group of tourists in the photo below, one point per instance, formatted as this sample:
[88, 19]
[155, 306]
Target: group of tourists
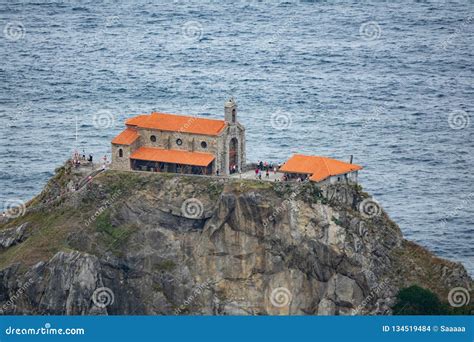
[79, 159]
[233, 169]
[267, 168]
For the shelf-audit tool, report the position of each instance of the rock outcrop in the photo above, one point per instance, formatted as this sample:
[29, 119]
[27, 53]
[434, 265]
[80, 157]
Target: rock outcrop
[152, 244]
[13, 236]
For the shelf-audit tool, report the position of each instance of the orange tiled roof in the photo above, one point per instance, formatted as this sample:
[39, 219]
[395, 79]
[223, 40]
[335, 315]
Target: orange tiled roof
[319, 168]
[126, 137]
[173, 156]
[178, 123]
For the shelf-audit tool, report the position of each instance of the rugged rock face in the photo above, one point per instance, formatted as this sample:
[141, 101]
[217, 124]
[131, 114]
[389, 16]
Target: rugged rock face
[133, 243]
[12, 236]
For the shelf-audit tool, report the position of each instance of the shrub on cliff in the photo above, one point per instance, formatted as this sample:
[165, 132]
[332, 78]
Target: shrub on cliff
[415, 300]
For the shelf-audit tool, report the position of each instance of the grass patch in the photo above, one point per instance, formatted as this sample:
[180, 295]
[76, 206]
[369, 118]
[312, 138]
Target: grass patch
[157, 288]
[48, 233]
[283, 189]
[336, 221]
[103, 223]
[247, 185]
[165, 265]
[122, 182]
[166, 175]
[215, 190]
[112, 238]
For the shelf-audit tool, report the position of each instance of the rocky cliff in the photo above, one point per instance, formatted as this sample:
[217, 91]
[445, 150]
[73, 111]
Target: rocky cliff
[141, 243]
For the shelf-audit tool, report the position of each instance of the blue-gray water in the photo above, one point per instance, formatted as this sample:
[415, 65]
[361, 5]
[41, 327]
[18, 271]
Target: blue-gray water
[391, 84]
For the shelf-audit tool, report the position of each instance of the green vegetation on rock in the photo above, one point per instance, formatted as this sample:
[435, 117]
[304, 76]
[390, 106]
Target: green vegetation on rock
[128, 229]
[415, 300]
[165, 265]
[113, 238]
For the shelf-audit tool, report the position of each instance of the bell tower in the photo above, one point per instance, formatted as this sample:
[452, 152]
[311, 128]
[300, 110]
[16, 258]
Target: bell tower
[230, 111]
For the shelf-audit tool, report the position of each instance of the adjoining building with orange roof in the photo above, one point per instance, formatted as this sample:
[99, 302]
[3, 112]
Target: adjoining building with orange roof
[318, 169]
[184, 144]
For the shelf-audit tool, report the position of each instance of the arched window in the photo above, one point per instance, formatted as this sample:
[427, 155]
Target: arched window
[152, 138]
[120, 153]
[233, 115]
[203, 144]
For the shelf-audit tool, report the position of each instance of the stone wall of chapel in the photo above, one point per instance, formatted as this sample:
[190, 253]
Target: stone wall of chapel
[216, 145]
[189, 142]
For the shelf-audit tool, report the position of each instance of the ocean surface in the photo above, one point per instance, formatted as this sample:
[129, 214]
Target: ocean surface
[389, 83]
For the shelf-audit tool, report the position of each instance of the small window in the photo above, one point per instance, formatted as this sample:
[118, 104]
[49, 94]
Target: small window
[120, 153]
[203, 144]
[153, 138]
[179, 142]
